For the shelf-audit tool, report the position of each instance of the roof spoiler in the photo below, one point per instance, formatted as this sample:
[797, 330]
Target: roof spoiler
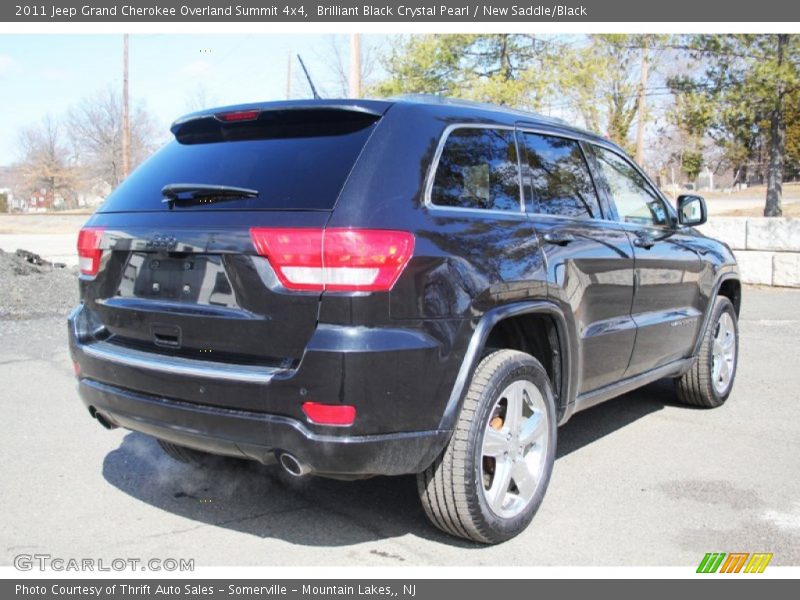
[273, 114]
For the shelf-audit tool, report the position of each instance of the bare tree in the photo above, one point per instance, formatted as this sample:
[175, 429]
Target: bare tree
[336, 59]
[95, 127]
[46, 164]
[605, 82]
[199, 99]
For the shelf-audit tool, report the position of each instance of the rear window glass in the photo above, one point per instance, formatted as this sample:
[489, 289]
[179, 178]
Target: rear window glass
[305, 172]
[478, 169]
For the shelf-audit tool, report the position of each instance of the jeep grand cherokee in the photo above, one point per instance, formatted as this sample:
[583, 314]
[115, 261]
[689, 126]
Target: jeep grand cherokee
[357, 288]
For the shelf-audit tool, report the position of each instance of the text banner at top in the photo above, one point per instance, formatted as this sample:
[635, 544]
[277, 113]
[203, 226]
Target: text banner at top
[393, 11]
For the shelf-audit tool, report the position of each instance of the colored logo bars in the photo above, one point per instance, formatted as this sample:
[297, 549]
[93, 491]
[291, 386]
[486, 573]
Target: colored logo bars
[735, 562]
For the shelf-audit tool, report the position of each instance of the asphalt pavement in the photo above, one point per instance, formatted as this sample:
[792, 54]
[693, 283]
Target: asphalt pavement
[639, 480]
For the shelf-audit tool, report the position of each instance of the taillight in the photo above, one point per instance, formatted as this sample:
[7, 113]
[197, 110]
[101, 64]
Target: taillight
[343, 260]
[89, 251]
[330, 414]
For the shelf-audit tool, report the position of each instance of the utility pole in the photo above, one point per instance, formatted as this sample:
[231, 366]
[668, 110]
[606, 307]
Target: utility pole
[355, 65]
[642, 108]
[289, 76]
[126, 125]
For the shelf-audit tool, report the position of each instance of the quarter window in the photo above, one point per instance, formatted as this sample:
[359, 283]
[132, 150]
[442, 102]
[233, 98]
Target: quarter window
[479, 169]
[559, 177]
[636, 201]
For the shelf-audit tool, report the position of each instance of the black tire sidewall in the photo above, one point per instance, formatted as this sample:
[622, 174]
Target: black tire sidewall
[527, 368]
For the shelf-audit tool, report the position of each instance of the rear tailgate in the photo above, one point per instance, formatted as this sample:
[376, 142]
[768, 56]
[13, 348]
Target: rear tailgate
[198, 291]
[185, 282]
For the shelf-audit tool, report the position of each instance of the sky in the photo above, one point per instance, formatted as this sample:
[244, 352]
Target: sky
[48, 74]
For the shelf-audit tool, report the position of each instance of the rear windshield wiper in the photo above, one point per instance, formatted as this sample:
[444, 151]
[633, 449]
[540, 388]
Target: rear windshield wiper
[201, 193]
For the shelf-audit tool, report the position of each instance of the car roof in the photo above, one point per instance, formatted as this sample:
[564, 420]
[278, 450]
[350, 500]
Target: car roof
[477, 107]
[493, 113]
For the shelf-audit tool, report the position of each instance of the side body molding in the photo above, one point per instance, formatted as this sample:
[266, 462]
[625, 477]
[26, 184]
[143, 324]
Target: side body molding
[472, 356]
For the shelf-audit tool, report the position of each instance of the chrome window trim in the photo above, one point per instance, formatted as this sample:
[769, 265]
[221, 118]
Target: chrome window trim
[427, 200]
[523, 128]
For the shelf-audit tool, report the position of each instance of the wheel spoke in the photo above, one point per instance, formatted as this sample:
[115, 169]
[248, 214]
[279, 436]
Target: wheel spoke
[523, 479]
[728, 342]
[532, 429]
[716, 367]
[514, 402]
[724, 372]
[495, 442]
[496, 494]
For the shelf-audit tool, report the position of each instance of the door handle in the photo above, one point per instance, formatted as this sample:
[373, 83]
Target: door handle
[644, 240]
[559, 238]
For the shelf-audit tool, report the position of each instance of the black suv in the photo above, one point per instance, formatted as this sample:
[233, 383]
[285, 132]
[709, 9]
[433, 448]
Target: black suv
[357, 288]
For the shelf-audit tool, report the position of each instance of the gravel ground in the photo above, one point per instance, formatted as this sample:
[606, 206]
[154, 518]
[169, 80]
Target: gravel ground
[42, 223]
[32, 291]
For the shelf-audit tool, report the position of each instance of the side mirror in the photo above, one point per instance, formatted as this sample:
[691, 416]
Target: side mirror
[692, 210]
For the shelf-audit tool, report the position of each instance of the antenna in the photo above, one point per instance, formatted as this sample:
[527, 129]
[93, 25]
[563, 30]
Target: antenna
[311, 83]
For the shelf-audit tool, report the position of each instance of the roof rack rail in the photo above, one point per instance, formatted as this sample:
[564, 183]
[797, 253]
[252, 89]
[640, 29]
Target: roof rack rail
[439, 99]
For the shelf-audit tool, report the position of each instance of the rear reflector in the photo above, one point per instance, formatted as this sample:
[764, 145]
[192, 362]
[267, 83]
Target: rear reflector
[329, 414]
[89, 251]
[238, 115]
[337, 260]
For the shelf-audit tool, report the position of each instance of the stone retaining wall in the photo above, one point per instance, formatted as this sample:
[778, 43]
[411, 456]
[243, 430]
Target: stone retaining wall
[768, 249]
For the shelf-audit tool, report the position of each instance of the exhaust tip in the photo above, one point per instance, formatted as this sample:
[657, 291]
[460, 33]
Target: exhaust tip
[292, 466]
[106, 422]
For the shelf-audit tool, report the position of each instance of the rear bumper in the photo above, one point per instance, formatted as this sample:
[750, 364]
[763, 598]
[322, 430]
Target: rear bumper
[254, 412]
[260, 436]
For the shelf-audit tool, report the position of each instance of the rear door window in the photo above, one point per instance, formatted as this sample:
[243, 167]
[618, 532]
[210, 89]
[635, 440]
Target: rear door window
[559, 177]
[298, 168]
[478, 169]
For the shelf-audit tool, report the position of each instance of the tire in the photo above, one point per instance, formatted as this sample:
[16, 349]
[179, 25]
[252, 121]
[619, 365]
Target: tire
[706, 385]
[454, 490]
[196, 458]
